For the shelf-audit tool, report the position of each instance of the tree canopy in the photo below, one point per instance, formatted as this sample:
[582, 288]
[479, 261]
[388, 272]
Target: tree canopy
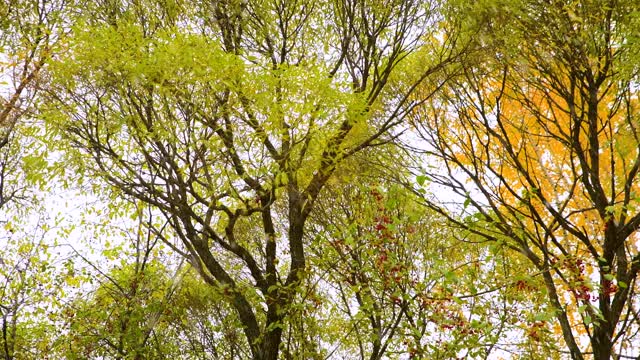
[339, 179]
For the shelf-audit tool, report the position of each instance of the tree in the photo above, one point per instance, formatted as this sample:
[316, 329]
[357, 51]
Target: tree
[396, 281]
[31, 282]
[29, 31]
[219, 113]
[139, 303]
[384, 272]
[125, 317]
[539, 139]
[31, 289]
[124, 310]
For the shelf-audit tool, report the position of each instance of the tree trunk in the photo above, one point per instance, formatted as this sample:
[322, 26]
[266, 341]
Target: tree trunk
[271, 345]
[601, 343]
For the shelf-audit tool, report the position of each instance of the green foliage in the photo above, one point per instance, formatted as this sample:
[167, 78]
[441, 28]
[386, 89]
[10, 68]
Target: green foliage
[33, 287]
[119, 319]
[224, 119]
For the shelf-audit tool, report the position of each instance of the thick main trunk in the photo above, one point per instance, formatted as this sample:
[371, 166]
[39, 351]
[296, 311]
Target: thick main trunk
[278, 300]
[270, 346]
[601, 344]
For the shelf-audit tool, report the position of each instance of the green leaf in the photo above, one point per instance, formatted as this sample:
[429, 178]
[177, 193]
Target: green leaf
[542, 317]
[451, 276]
[421, 179]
